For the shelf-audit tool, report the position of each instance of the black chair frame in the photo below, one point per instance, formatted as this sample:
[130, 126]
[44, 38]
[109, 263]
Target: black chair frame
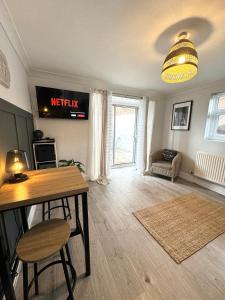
[27, 286]
[63, 206]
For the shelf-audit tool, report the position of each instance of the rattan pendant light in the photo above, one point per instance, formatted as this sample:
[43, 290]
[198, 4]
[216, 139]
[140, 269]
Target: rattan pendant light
[181, 64]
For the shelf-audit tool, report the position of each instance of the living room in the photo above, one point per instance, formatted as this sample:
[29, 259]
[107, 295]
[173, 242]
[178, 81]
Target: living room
[112, 153]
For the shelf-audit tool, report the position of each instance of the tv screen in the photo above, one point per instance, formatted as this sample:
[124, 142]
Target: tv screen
[55, 103]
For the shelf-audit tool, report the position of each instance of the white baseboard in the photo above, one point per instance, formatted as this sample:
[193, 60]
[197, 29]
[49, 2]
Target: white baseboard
[204, 183]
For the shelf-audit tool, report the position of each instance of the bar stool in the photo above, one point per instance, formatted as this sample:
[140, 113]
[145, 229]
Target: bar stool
[64, 205]
[43, 241]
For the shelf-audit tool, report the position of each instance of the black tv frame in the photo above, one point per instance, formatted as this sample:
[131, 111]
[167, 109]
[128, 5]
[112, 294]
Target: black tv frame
[56, 103]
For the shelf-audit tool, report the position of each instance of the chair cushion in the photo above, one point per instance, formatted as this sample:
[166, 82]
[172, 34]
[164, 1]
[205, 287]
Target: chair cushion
[162, 164]
[168, 155]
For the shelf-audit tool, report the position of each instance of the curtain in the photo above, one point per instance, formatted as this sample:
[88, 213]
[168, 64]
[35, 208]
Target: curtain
[146, 116]
[95, 135]
[141, 127]
[100, 136]
[105, 162]
[149, 134]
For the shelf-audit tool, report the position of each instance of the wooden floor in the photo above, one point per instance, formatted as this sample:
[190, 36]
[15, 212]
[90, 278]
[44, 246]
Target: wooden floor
[127, 263]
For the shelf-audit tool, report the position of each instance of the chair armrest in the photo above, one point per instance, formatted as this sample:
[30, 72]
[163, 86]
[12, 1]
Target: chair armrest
[176, 163]
[156, 156]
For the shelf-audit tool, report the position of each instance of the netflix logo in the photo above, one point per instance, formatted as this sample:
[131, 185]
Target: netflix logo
[64, 102]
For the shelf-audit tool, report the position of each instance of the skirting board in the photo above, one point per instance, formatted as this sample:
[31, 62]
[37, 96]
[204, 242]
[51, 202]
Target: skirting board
[204, 183]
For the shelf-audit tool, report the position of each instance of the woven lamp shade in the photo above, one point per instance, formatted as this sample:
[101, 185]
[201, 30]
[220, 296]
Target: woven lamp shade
[181, 64]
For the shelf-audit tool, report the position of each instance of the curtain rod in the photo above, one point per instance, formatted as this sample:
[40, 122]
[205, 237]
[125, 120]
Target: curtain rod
[126, 96]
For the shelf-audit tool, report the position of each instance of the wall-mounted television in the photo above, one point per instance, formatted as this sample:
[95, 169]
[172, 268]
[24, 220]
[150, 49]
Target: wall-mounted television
[62, 104]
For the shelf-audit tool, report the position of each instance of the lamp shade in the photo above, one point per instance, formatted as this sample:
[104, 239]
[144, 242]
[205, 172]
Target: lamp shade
[181, 64]
[16, 162]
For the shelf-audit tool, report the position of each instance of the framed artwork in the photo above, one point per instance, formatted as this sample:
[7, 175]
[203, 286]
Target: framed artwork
[4, 71]
[181, 115]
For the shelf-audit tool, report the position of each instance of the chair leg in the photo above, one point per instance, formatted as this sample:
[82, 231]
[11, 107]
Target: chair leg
[77, 209]
[69, 212]
[172, 179]
[36, 279]
[71, 297]
[49, 210]
[25, 281]
[64, 209]
[43, 211]
[68, 254]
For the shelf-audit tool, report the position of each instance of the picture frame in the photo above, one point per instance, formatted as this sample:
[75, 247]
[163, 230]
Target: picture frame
[181, 115]
[4, 71]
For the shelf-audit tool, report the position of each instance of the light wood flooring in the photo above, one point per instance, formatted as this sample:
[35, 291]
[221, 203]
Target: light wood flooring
[127, 263]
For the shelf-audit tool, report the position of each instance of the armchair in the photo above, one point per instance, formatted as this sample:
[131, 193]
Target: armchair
[165, 162]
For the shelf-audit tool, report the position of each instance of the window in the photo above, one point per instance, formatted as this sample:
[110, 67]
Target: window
[215, 125]
[125, 124]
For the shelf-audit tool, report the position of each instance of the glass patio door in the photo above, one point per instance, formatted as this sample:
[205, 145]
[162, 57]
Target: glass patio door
[124, 142]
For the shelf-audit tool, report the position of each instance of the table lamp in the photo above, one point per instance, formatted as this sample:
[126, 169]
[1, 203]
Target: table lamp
[16, 163]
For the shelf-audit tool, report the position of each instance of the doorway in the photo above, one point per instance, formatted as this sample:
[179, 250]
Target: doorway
[124, 135]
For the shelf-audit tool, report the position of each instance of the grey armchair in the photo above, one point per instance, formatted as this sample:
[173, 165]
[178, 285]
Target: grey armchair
[166, 162]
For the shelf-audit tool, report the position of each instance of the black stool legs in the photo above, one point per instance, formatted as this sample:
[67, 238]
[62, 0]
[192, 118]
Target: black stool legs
[77, 210]
[36, 279]
[64, 209]
[65, 263]
[49, 210]
[68, 254]
[64, 206]
[69, 212]
[25, 281]
[71, 297]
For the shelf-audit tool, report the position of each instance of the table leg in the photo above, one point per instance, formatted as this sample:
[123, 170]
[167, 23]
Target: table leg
[86, 233]
[77, 211]
[24, 218]
[5, 274]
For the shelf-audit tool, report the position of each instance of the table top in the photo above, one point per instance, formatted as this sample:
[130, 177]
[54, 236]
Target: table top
[42, 185]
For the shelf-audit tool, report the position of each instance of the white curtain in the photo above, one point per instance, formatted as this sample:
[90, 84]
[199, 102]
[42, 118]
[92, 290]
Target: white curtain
[95, 135]
[149, 134]
[146, 116]
[100, 136]
[141, 128]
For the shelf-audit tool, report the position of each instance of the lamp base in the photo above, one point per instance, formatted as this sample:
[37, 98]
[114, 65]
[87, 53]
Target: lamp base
[18, 178]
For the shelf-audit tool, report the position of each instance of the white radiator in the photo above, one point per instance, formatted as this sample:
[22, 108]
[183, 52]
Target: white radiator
[210, 167]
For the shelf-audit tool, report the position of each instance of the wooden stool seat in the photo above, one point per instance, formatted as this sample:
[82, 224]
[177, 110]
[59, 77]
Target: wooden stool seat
[43, 240]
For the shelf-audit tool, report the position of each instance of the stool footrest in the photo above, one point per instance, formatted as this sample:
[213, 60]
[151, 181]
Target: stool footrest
[72, 270]
[58, 206]
[63, 205]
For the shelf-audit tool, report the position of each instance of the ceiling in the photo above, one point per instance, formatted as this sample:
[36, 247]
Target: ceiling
[123, 42]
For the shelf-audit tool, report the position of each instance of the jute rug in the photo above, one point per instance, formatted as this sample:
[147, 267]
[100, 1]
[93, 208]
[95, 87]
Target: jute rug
[184, 225]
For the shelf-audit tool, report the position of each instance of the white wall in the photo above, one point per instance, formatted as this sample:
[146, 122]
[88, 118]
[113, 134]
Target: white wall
[72, 137]
[189, 142]
[18, 93]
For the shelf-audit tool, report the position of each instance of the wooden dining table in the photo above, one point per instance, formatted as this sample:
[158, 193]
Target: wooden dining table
[43, 186]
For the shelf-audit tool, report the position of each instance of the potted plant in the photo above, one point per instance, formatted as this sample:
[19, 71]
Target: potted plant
[72, 162]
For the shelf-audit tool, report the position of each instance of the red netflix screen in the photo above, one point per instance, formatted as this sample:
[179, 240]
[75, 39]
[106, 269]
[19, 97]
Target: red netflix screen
[55, 103]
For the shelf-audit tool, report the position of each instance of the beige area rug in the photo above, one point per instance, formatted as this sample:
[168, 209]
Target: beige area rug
[184, 225]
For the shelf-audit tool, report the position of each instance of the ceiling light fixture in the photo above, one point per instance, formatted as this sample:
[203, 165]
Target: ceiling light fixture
[181, 64]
